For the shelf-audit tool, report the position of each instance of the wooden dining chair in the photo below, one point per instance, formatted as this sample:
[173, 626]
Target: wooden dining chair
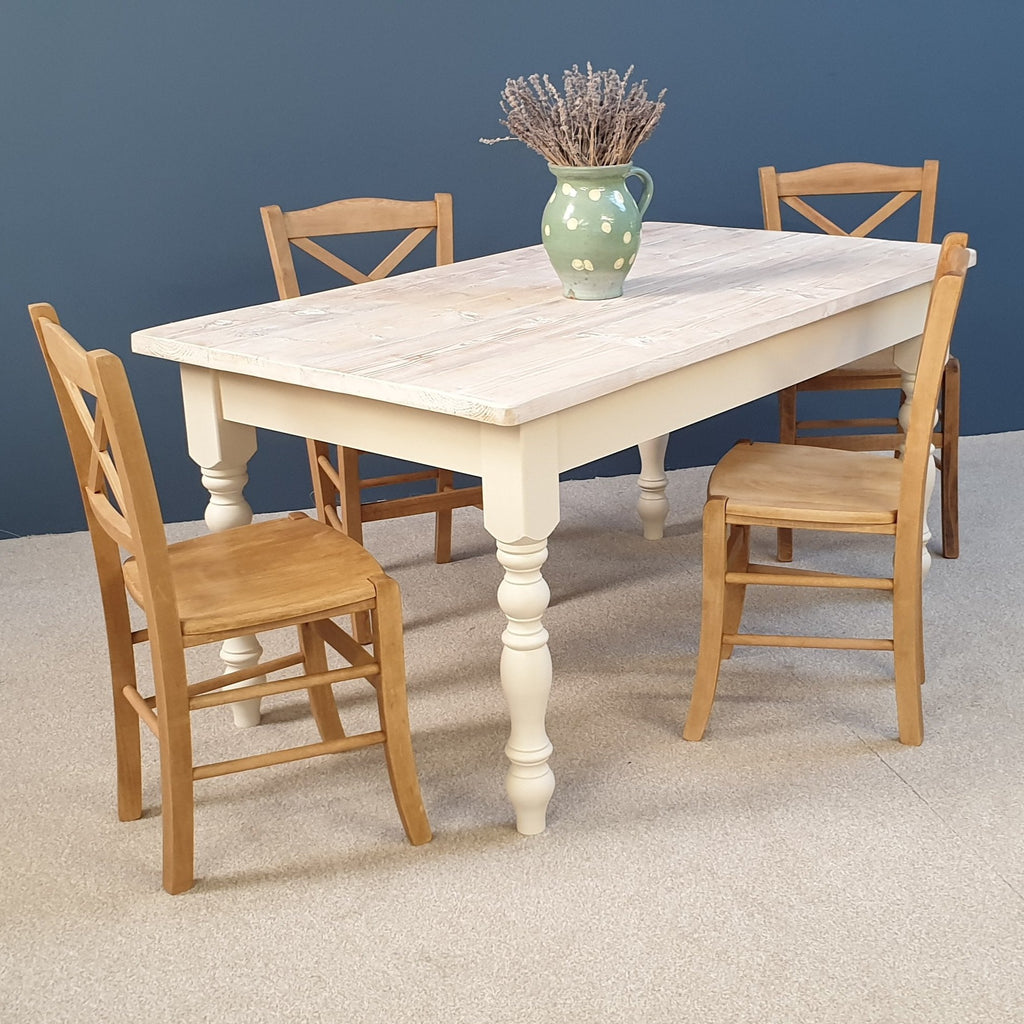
[810, 488]
[337, 485]
[875, 372]
[287, 572]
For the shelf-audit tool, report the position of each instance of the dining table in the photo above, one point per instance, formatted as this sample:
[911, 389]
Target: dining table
[485, 368]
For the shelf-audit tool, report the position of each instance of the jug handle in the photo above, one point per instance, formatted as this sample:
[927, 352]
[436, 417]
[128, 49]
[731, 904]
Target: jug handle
[648, 190]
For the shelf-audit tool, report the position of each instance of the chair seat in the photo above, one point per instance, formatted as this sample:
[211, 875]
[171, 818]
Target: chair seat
[806, 484]
[234, 580]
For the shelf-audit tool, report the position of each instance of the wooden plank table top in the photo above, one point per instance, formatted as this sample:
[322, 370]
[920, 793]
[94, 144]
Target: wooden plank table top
[493, 339]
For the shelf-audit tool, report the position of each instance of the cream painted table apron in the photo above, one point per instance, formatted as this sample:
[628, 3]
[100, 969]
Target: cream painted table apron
[483, 367]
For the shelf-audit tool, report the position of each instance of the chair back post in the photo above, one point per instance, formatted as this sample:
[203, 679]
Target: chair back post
[935, 343]
[445, 240]
[929, 195]
[280, 252]
[771, 209]
[118, 492]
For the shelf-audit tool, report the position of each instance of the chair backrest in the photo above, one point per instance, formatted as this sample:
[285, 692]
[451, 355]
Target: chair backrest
[947, 289]
[113, 468]
[350, 217]
[852, 179]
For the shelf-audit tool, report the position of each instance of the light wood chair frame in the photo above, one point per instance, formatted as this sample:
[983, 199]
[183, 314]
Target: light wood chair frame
[838, 490]
[209, 589]
[338, 487]
[850, 179]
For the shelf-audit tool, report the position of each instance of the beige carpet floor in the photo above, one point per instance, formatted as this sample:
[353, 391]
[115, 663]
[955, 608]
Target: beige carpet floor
[798, 865]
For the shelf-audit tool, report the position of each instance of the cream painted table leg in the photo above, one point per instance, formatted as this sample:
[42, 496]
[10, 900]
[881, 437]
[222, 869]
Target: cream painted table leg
[222, 450]
[906, 355]
[520, 482]
[526, 679]
[652, 506]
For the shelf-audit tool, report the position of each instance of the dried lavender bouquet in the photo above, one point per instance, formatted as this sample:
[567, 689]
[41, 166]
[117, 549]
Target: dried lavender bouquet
[598, 120]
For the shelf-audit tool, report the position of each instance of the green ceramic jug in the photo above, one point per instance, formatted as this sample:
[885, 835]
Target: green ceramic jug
[591, 227]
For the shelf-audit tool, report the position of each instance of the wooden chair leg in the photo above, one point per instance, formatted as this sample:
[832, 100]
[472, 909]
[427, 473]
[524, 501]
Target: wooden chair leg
[361, 630]
[443, 520]
[712, 618]
[908, 648]
[177, 808]
[127, 743]
[949, 485]
[784, 544]
[129, 759]
[787, 435]
[737, 560]
[393, 708]
[321, 698]
[121, 654]
[179, 838]
[920, 646]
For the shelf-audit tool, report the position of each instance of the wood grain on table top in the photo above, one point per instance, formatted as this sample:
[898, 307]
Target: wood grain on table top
[493, 339]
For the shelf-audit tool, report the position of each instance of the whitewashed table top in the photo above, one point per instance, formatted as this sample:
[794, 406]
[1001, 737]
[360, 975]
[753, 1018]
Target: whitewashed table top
[493, 339]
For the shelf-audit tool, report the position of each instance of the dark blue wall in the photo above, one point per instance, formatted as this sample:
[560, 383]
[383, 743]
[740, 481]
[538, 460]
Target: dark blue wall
[140, 139]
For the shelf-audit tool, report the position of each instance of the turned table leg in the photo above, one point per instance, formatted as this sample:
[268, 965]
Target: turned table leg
[222, 451]
[652, 506]
[520, 481]
[526, 680]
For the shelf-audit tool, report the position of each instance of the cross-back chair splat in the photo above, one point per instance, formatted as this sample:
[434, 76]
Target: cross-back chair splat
[863, 229]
